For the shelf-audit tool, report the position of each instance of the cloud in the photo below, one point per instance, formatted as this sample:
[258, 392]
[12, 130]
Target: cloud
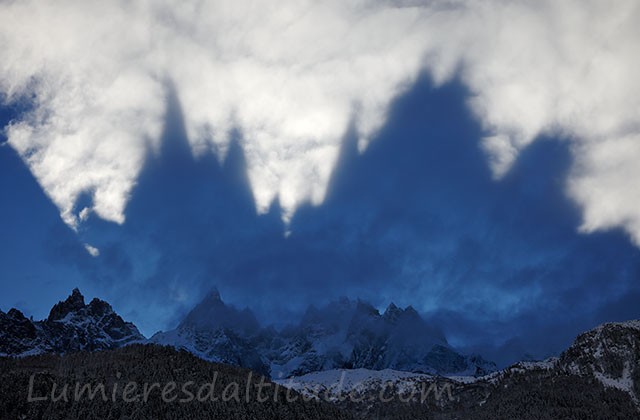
[492, 255]
[92, 250]
[605, 182]
[293, 77]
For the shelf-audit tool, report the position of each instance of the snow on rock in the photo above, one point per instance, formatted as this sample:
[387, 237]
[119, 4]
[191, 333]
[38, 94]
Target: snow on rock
[609, 352]
[71, 325]
[342, 334]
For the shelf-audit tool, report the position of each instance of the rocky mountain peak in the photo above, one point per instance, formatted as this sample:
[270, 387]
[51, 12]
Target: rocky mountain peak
[609, 352]
[99, 307]
[70, 326]
[213, 314]
[73, 303]
[16, 314]
[16, 332]
[392, 308]
[365, 308]
[410, 310]
[75, 298]
[392, 313]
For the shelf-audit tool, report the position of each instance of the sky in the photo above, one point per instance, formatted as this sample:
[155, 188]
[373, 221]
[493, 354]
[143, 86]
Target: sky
[477, 160]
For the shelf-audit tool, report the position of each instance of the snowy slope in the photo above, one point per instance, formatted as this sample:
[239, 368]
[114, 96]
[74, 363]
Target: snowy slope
[334, 384]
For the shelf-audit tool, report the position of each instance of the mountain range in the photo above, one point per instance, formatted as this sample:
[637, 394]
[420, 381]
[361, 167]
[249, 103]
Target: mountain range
[343, 334]
[342, 353]
[597, 377]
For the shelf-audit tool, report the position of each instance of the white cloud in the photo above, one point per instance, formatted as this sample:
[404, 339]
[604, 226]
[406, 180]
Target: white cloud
[92, 250]
[501, 153]
[605, 181]
[293, 75]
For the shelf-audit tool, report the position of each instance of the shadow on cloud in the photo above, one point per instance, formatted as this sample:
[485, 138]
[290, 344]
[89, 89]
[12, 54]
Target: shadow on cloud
[41, 259]
[415, 219]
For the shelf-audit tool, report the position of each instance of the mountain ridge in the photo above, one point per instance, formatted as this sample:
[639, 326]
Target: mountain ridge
[341, 334]
[598, 376]
[600, 371]
[71, 326]
[344, 333]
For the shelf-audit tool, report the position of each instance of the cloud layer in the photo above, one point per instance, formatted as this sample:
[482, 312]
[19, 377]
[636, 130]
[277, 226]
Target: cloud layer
[293, 77]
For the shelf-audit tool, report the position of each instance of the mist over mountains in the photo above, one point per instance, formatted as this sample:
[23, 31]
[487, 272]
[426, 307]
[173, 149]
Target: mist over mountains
[345, 354]
[343, 334]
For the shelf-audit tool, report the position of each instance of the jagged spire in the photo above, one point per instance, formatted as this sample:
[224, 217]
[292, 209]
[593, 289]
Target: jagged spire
[73, 303]
[392, 312]
[391, 308]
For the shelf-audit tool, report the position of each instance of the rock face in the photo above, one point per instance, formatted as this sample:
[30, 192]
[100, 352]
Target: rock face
[71, 326]
[611, 354]
[17, 333]
[343, 334]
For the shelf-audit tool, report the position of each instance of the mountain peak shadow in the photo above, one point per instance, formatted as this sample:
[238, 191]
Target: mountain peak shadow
[416, 218]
